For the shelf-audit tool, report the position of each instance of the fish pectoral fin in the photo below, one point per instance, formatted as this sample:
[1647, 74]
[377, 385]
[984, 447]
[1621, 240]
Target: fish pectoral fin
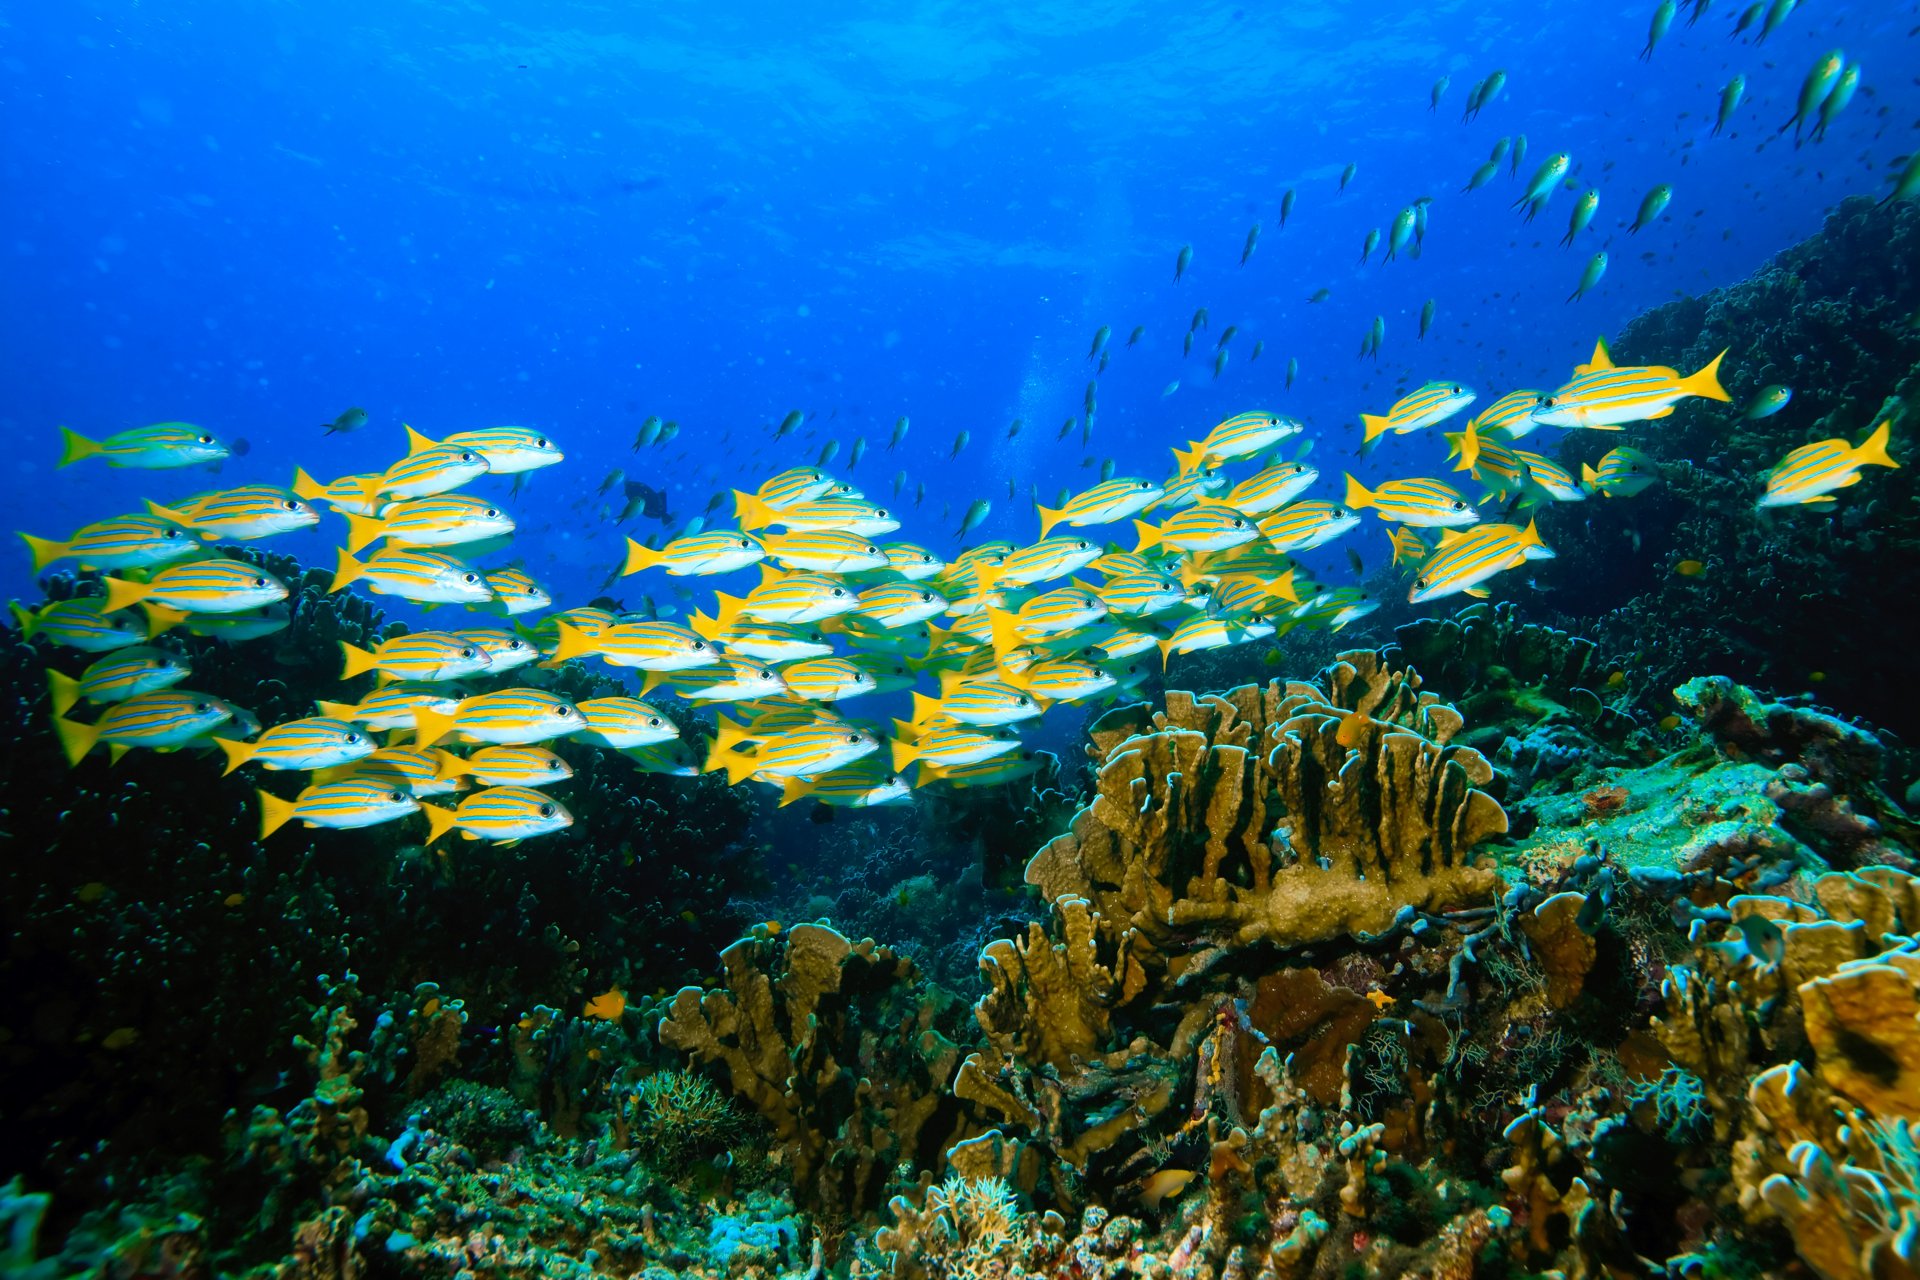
[1657, 413]
[1850, 480]
[1478, 593]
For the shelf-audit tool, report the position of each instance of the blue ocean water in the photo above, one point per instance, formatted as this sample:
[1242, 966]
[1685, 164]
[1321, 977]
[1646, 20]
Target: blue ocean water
[574, 216]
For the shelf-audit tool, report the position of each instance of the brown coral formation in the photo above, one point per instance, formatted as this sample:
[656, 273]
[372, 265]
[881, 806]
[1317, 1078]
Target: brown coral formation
[838, 1046]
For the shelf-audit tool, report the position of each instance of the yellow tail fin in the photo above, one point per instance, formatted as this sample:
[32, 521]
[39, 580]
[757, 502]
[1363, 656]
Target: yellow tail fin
[24, 618]
[416, 442]
[1048, 518]
[753, 512]
[275, 813]
[429, 726]
[730, 735]
[357, 661]
[1357, 494]
[1375, 424]
[727, 608]
[1588, 476]
[1006, 630]
[1190, 457]
[1530, 536]
[1706, 383]
[76, 739]
[572, 642]
[792, 789]
[75, 447]
[336, 710]
[1149, 536]
[121, 593]
[709, 628]
[180, 518]
[238, 753]
[44, 551]
[1469, 448]
[1166, 652]
[361, 530]
[904, 754]
[639, 557]
[347, 570]
[64, 689]
[1873, 450]
[305, 486]
[925, 708]
[161, 619]
[449, 765]
[439, 821]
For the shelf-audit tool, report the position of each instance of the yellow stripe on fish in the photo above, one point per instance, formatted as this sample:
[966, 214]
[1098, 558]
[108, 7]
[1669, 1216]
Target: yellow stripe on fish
[646, 646]
[1464, 562]
[158, 447]
[505, 717]
[824, 550]
[499, 814]
[441, 520]
[393, 707]
[943, 744]
[163, 718]
[1433, 403]
[430, 471]
[346, 804]
[508, 767]
[864, 784]
[1106, 502]
[805, 751]
[243, 514]
[795, 597]
[913, 562]
[714, 551]
[124, 542]
[1623, 473]
[622, 722]
[416, 770]
[506, 449]
[1306, 525]
[1210, 526]
[731, 680]
[122, 674]
[1811, 473]
[1419, 501]
[1548, 475]
[353, 495]
[200, 586]
[895, 605]
[1608, 398]
[1238, 437]
[826, 679]
[425, 577]
[422, 655]
[318, 742]
[1271, 488]
[515, 591]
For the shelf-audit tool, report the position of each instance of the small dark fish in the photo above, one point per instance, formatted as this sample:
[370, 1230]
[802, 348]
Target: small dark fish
[1320, 295]
[1139, 332]
[652, 501]
[1182, 262]
[239, 447]
[789, 424]
[352, 420]
[1353, 559]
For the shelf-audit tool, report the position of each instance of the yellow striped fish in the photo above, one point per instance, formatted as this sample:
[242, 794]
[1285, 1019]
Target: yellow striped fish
[1201, 633]
[424, 577]
[508, 767]
[124, 542]
[803, 752]
[345, 804]
[1408, 548]
[1420, 501]
[1116, 563]
[801, 484]
[1238, 437]
[1812, 472]
[824, 550]
[1045, 615]
[244, 514]
[791, 597]
[505, 717]
[1306, 525]
[393, 707]
[730, 680]
[912, 562]
[621, 722]
[499, 814]
[1510, 417]
[318, 742]
[976, 701]
[826, 679]
[944, 744]
[1335, 609]
[158, 447]
[442, 520]
[1621, 474]
[1105, 503]
[714, 551]
[1607, 397]
[122, 674]
[767, 641]
[1547, 475]
[430, 471]
[584, 618]
[1064, 680]
[1494, 464]
[422, 655]
[1468, 560]
[1271, 488]
[990, 772]
[851, 515]
[1211, 526]
[515, 592]
[893, 605]
[1184, 491]
[506, 449]
[889, 673]
[646, 646]
[163, 718]
[1140, 595]
[1045, 560]
[864, 784]
[1431, 404]
[505, 650]
[200, 586]
[417, 770]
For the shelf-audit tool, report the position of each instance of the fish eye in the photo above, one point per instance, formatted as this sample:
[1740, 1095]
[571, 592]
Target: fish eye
[171, 533]
[352, 739]
[540, 442]
[653, 722]
[1082, 545]
[1459, 505]
[1144, 485]
[1239, 523]
[1024, 701]
[469, 456]
[397, 797]
[206, 439]
[563, 711]
[546, 810]
[470, 577]
[468, 653]
[853, 739]
[1420, 582]
[881, 512]
[259, 582]
[766, 675]
[203, 706]
[745, 543]
[699, 646]
[491, 513]
[839, 592]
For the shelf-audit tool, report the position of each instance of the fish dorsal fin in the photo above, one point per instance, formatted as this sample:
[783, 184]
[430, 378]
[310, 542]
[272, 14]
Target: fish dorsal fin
[417, 442]
[1450, 536]
[1602, 359]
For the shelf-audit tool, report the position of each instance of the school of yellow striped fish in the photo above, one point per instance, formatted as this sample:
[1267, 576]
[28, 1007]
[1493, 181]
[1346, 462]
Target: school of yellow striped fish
[984, 642]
